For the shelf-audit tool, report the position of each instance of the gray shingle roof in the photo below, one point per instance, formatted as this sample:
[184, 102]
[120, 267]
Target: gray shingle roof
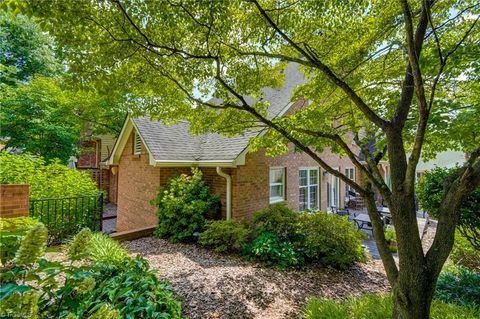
[175, 143]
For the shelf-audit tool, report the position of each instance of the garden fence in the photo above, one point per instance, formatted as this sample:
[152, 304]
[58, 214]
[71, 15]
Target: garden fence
[64, 217]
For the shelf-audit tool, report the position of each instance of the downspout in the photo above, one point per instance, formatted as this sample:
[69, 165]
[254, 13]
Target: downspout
[229, 191]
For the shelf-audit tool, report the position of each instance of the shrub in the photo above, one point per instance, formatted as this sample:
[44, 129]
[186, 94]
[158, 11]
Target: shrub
[225, 236]
[431, 190]
[378, 307]
[279, 220]
[330, 239]
[12, 231]
[82, 290]
[105, 250]
[183, 204]
[461, 287]
[46, 181]
[464, 253]
[391, 238]
[269, 249]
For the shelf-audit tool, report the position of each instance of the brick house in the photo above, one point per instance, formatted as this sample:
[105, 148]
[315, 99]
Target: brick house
[149, 152]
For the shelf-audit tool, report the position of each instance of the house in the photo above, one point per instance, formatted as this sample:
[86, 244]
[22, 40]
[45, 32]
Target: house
[149, 152]
[94, 151]
[446, 159]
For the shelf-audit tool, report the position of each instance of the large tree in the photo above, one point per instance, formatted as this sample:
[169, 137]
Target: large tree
[403, 73]
[40, 111]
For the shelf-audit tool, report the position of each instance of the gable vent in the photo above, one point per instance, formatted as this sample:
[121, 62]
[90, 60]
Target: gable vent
[137, 144]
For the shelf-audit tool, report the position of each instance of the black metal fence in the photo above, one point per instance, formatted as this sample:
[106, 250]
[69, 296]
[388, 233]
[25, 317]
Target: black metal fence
[64, 217]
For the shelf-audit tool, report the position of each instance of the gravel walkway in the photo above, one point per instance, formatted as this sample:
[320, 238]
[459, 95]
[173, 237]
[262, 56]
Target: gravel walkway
[217, 286]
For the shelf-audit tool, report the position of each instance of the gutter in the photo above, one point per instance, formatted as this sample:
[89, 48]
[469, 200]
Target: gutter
[229, 191]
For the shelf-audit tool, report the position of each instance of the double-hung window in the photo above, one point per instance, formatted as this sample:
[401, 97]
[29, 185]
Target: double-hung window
[350, 173]
[308, 196]
[277, 184]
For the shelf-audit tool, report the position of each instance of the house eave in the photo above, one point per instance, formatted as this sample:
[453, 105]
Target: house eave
[187, 163]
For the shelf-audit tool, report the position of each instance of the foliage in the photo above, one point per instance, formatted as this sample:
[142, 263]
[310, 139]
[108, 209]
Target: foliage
[37, 288]
[105, 250]
[391, 238]
[25, 50]
[378, 307]
[12, 231]
[32, 246]
[225, 236]
[46, 181]
[464, 253]
[269, 249]
[461, 286]
[279, 220]
[182, 206]
[330, 239]
[431, 191]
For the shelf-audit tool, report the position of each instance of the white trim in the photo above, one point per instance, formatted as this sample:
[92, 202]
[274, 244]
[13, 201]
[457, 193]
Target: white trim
[348, 187]
[307, 187]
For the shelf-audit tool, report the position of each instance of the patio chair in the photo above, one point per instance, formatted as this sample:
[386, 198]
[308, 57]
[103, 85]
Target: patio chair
[343, 212]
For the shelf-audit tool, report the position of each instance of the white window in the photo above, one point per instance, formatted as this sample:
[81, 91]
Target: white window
[333, 191]
[137, 144]
[277, 184]
[350, 173]
[308, 189]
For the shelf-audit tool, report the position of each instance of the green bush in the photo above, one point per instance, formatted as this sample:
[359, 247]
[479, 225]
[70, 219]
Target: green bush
[279, 220]
[85, 289]
[378, 307]
[464, 254]
[54, 180]
[225, 236]
[269, 249]
[460, 286]
[105, 250]
[391, 238]
[330, 239]
[182, 206]
[12, 231]
[431, 190]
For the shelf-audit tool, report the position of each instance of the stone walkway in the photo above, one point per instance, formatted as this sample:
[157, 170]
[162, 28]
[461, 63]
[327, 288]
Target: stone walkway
[109, 225]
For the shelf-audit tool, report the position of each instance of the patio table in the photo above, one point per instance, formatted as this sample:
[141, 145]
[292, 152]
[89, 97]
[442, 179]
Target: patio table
[362, 220]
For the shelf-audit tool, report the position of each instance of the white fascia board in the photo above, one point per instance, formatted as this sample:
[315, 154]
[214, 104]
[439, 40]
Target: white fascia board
[187, 163]
[120, 142]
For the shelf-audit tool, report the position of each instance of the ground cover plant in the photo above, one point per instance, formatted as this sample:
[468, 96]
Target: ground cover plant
[378, 307]
[460, 286]
[85, 285]
[464, 253]
[183, 205]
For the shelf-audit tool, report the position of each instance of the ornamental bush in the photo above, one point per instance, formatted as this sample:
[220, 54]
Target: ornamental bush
[46, 180]
[183, 205]
[84, 288]
[331, 240]
[430, 191]
[279, 220]
[12, 231]
[272, 251]
[225, 236]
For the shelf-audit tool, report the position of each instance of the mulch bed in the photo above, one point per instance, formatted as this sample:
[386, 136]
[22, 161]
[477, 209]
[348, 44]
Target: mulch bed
[219, 286]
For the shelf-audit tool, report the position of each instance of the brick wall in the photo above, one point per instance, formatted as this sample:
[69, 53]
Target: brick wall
[251, 183]
[89, 158]
[138, 183]
[14, 200]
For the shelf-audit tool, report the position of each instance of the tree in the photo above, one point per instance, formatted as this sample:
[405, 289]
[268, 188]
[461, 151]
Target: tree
[401, 72]
[40, 111]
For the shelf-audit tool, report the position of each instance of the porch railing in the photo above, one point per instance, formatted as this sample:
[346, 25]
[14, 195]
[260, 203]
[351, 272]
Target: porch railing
[64, 217]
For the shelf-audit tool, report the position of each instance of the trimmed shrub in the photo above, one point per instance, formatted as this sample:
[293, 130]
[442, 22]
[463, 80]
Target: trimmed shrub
[331, 240]
[225, 236]
[464, 253]
[376, 306]
[269, 249]
[279, 220]
[183, 204]
[460, 286]
[12, 231]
